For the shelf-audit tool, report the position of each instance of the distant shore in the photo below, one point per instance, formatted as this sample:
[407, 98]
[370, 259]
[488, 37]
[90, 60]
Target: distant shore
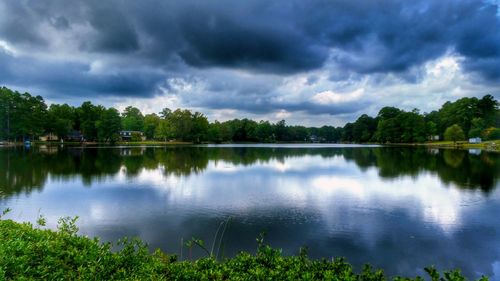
[486, 145]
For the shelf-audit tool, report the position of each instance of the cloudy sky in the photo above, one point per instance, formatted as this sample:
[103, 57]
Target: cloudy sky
[309, 62]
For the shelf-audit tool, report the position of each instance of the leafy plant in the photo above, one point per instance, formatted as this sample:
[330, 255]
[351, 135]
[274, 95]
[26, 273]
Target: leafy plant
[41, 221]
[217, 240]
[28, 253]
[5, 212]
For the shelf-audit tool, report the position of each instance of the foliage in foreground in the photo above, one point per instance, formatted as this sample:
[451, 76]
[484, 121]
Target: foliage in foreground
[28, 253]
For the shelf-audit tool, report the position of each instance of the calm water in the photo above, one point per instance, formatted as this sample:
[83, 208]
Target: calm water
[400, 209]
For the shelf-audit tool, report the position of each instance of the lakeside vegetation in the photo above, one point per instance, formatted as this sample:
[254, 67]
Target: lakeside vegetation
[32, 253]
[27, 117]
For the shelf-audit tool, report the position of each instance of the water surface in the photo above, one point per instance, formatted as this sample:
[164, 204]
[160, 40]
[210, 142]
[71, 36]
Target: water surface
[400, 209]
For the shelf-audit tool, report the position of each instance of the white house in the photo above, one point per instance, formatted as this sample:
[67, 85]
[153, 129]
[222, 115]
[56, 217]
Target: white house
[475, 140]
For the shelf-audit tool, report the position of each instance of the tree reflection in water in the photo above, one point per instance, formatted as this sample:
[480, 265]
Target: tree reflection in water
[23, 170]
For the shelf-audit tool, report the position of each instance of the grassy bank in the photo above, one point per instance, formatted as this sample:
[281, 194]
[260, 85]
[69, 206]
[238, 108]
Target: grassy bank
[116, 143]
[30, 253]
[486, 145]
[153, 143]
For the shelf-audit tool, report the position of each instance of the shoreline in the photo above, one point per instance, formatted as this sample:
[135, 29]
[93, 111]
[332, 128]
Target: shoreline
[493, 146]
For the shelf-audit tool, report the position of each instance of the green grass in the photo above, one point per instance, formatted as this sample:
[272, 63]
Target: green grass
[118, 142]
[31, 253]
[490, 145]
[154, 142]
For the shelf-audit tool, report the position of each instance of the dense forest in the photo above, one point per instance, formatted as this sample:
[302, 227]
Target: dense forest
[27, 117]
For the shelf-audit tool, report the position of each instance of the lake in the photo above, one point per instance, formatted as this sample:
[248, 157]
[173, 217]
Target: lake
[397, 208]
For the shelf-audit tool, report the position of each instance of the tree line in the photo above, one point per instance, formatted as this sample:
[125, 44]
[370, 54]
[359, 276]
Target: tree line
[23, 116]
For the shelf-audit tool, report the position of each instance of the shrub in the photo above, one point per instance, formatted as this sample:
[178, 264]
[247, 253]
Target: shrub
[28, 253]
[454, 133]
[136, 136]
[491, 133]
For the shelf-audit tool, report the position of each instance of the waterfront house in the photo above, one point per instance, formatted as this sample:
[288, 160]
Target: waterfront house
[475, 140]
[49, 137]
[128, 135]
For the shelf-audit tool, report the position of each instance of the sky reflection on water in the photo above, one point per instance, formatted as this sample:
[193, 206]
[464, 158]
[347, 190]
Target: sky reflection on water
[397, 208]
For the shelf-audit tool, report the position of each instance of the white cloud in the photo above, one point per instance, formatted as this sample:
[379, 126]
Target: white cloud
[223, 94]
[283, 114]
[8, 49]
[330, 97]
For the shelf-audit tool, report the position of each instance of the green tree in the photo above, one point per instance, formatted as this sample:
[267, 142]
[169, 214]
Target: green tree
[297, 133]
[388, 127]
[281, 130]
[477, 126]
[214, 134]
[430, 129]
[165, 113]
[109, 125]
[226, 131]
[460, 112]
[21, 115]
[151, 122]
[243, 130]
[61, 119]
[136, 136]
[454, 133]
[388, 130]
[364, 128]
[38, 110]
[488, 108]
[88, 115]
[180, 120]
[412, 126]
[7, 107]
[328, 133]
[164, 130]
[24, 116]
[199, 130]
[133, 120]
[347, 133]
[491, 133]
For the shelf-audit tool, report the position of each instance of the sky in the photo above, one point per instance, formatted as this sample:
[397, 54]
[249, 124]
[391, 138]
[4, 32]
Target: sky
[309, 62]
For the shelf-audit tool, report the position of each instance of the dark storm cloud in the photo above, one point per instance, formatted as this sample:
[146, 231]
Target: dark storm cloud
[74, 79]
[60, 23]
[261, 106]
[283, 36]
[229, 42]
[114, 33]
[345, 38]
[16, 24]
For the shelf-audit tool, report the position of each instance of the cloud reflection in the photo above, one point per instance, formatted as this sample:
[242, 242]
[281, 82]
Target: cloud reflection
[400, 209]
[309, 182]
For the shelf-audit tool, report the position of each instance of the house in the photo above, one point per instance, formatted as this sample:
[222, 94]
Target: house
[434, 138]
[71, 136]
[75, 136]
[475, 140]
[129, 135]
[49, 137]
